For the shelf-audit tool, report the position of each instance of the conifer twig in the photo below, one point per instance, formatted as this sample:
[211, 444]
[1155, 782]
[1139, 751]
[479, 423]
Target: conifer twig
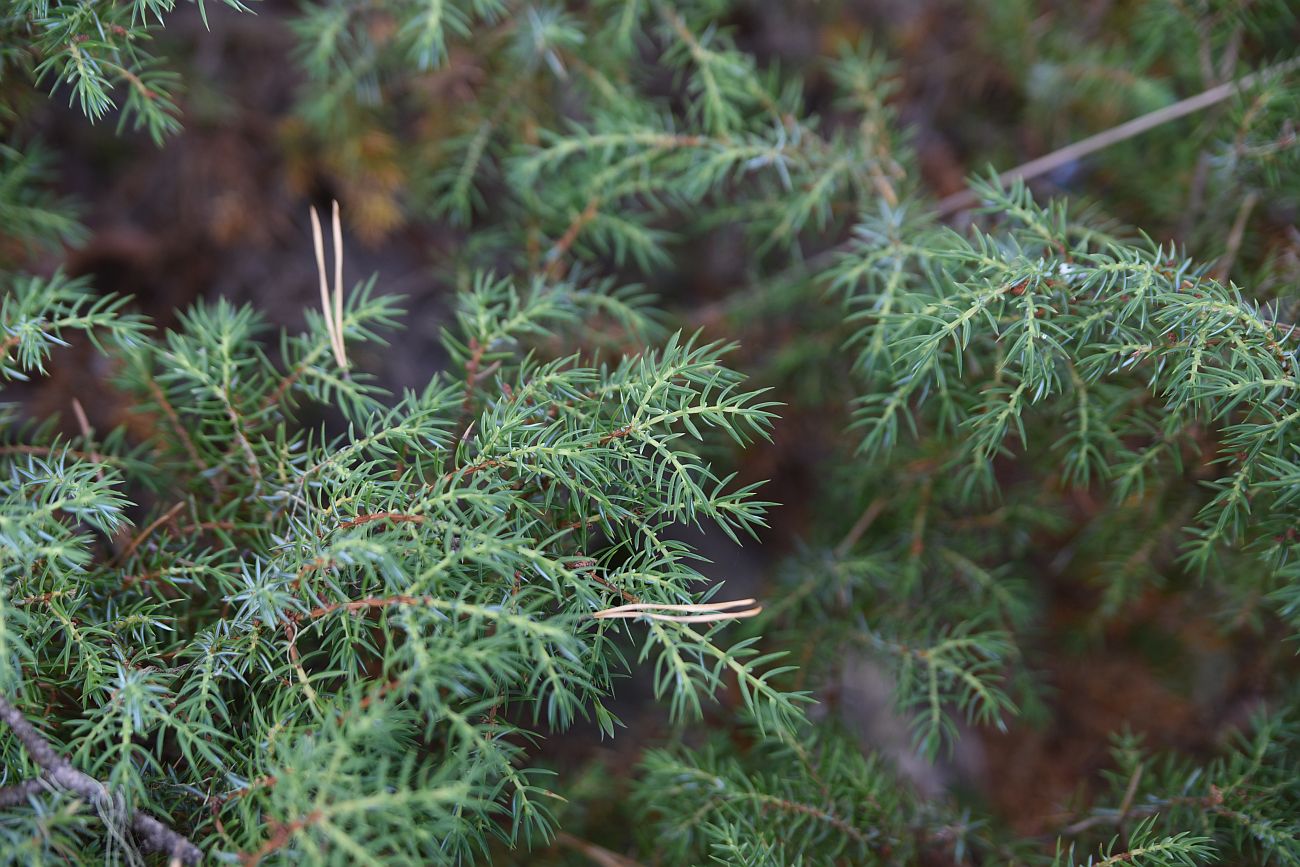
[152, 834]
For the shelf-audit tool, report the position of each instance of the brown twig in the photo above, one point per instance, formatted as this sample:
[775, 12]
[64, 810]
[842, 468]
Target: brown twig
[473, 468]
[472, 365]
[174, 420]
[215, 803]
[368, 603]
[280, 834]
[286, 383]
[384, 689]
[580, 523]
[625, 595]
[1126, 805]
[842, 825]
[868, 517]
[596, 854]
[615, 435]
[83, 423]
[153, 835]
[555, 255]
[1235, 235]
[392, 517]
[147, 531]
[43, 598]
[130, 581]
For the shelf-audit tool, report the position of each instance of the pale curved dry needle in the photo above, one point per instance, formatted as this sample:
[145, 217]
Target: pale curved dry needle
[705, 618]
[332, 308]
[693, 613]
[664, 606]
[339, 347]
[318, 242]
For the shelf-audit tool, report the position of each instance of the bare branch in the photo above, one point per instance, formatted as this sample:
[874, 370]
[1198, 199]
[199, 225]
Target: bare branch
[1044, 164]
[152, 835]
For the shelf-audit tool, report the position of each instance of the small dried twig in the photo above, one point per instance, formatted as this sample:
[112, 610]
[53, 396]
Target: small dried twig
[368, 604]
[1138, 125]
[555, 256]
[693, 613]
[174, 420]
[596, 854]
[152, 835]
[1235, 235]
[868, 517]
[474, 373]
[280, 835]
[144, 534]
[1127, 804]
[216, 802]
[392, 517]
[87, 433]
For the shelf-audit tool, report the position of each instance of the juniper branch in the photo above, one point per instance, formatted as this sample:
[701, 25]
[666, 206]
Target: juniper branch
[154, 836]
